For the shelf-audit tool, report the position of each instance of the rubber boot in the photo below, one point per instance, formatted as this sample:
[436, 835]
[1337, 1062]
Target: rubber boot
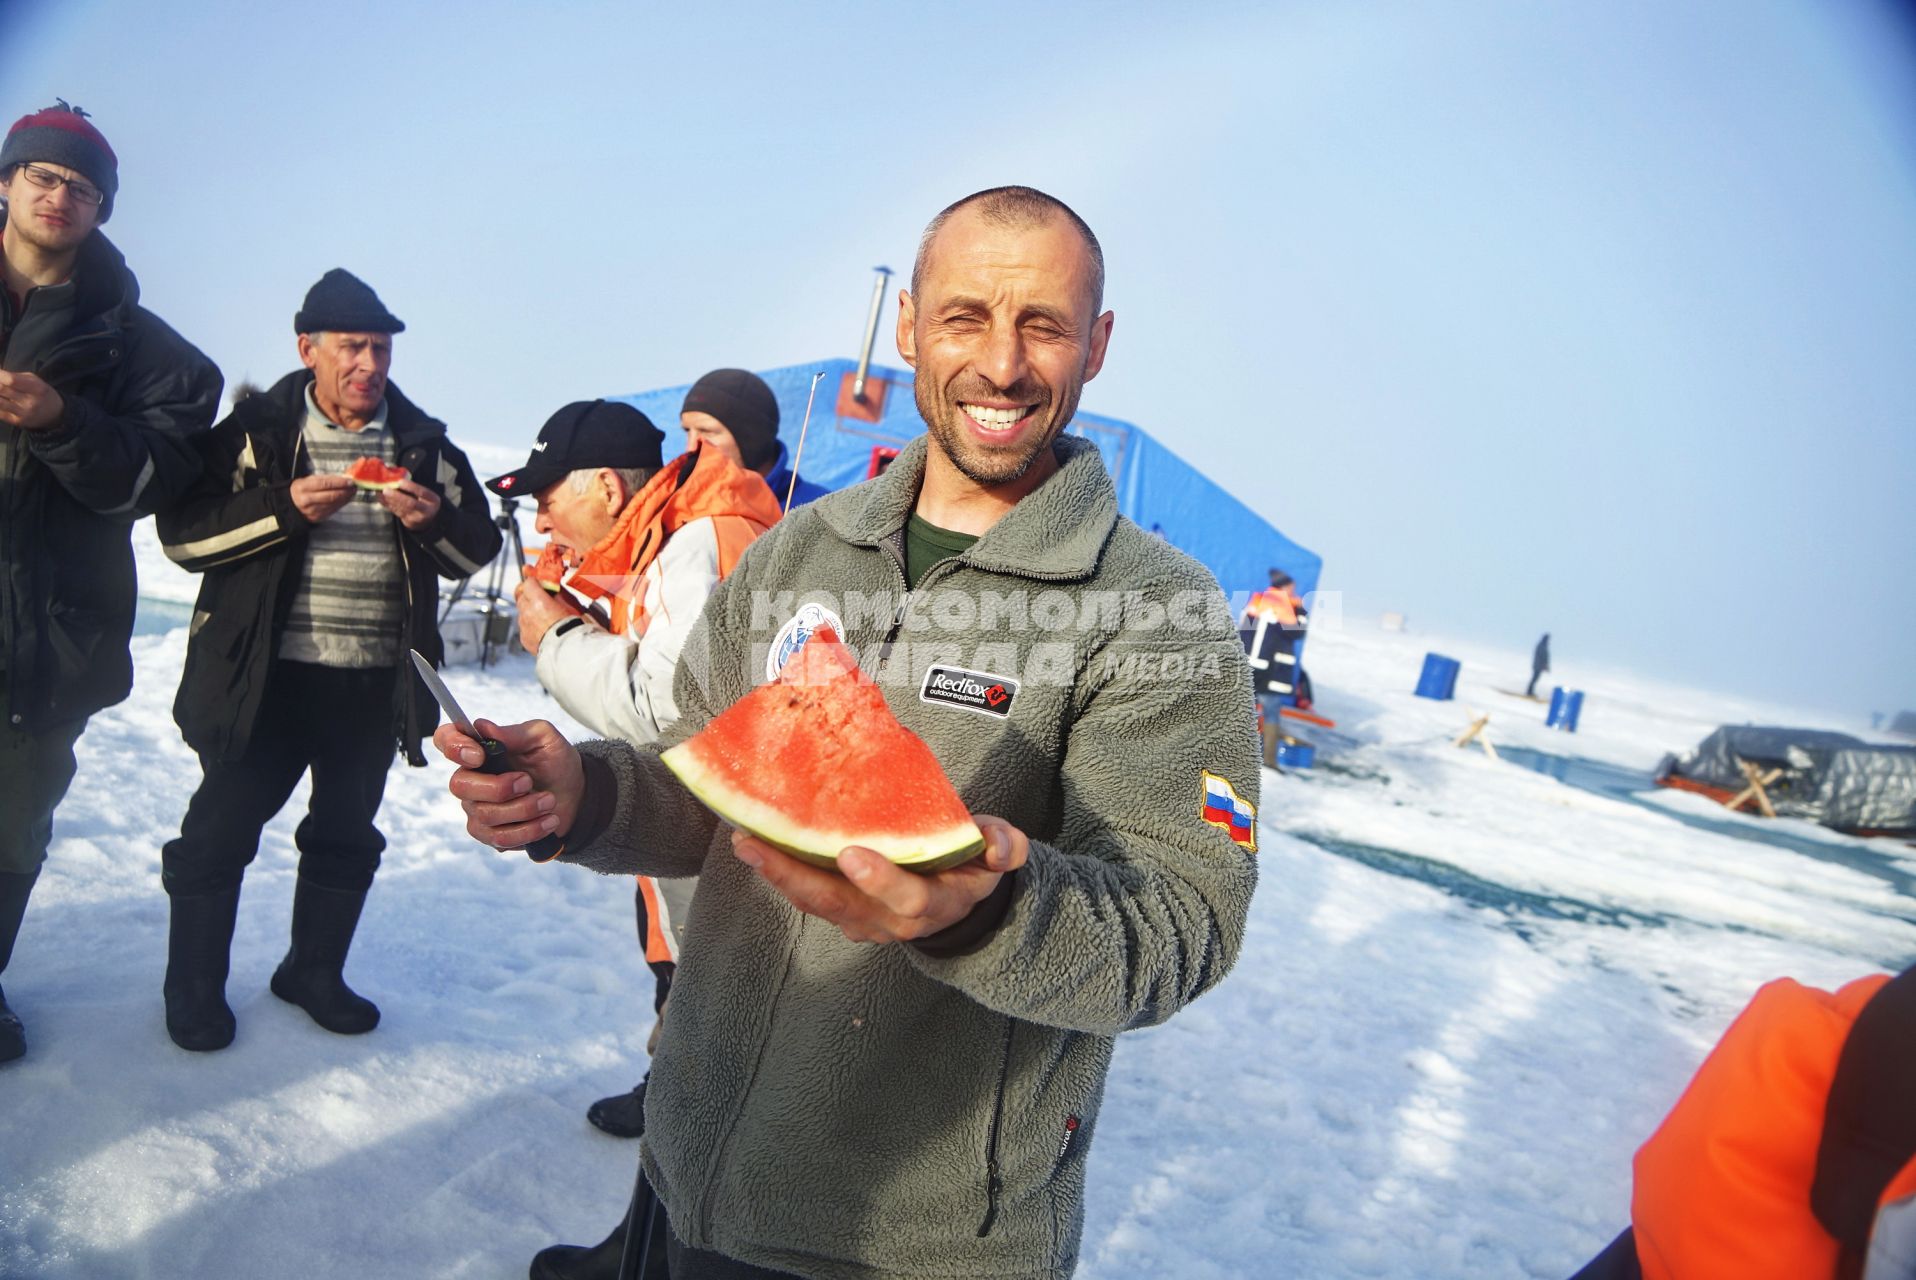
[199, 947]
[15, 888]
[622, 1115]
[1269, 731]
[577, 1262]
[601, 1261]
[312, 975]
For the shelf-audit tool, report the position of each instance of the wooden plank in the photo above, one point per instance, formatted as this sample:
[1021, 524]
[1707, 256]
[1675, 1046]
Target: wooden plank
[1756, 791]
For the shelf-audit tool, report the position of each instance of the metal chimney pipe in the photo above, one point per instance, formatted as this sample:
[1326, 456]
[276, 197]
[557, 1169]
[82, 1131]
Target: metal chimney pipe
[871, 332]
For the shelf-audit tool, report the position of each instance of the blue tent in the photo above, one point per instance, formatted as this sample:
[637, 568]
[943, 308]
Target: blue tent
[1156, 488]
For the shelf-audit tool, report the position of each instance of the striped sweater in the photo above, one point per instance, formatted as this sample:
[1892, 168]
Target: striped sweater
[350, 603]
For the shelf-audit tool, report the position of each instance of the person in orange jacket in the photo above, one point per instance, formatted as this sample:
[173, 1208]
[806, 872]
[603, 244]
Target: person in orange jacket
[1792, 1153]
[647, 540]
[1277, 609]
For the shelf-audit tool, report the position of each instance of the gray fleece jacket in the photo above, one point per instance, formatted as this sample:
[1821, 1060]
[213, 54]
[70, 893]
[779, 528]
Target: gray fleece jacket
[840, 1109]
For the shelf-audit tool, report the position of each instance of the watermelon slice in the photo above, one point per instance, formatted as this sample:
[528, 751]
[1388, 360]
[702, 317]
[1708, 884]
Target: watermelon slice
[815, 761]
[372, 473]
[549, 568]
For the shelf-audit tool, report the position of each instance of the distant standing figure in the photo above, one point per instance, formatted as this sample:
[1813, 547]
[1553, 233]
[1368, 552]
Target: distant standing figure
[1539, 663]
[1280, 607]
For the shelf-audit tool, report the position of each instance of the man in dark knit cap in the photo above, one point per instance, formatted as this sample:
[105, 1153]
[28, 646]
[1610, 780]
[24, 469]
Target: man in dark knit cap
[733, 411]
[314, 591]
[98, 399]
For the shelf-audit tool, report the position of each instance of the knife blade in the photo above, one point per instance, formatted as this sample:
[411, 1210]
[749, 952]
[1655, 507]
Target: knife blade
[546, 847]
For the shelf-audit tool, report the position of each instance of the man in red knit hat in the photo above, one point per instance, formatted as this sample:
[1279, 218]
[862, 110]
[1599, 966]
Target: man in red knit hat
[97, 400]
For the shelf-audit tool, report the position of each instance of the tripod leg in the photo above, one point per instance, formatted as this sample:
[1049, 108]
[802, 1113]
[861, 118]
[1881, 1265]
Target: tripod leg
[512, 553]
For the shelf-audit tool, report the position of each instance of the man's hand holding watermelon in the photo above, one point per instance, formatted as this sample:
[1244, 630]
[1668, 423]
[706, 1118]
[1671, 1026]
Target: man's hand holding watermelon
[873, 900]
[319, 497]
[540, 610]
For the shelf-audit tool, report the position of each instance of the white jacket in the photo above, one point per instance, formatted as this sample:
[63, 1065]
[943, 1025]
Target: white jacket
[620, 686]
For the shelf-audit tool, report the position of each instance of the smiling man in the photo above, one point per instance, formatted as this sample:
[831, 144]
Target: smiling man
[313, 592]
[869, 1072]
[98, 400]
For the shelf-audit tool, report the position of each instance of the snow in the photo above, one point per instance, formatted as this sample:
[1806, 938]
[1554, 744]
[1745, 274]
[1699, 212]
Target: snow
[1468, 991]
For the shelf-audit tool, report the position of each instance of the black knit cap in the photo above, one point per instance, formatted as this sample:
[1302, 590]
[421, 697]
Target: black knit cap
[583, 436]
[61, 135]
[741, 400]
[343, 303]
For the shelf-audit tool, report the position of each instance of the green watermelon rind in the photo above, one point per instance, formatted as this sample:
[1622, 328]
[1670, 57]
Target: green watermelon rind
[938, 852]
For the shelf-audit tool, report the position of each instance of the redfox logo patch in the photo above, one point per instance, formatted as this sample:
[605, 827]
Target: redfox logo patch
[978, 691]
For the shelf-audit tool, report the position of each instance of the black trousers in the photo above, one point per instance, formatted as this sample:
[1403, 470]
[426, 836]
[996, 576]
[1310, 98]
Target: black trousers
[35, 771]
[336, 721]
[688, 1263]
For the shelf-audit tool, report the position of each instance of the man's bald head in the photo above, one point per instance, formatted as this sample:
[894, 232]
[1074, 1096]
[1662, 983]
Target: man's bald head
[1015, 207]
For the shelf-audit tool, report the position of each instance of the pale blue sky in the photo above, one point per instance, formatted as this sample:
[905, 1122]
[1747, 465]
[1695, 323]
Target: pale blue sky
[1588, 318]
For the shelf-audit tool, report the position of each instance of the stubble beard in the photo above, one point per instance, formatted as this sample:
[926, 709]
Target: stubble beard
[20, 222]
[990, 467]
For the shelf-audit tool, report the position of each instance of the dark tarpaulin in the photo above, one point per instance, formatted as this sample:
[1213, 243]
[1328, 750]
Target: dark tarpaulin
[1831, 778]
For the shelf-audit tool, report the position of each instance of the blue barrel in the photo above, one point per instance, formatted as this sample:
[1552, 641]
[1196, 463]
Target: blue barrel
[1294, 753]
[1565, 706]
[1439, 678]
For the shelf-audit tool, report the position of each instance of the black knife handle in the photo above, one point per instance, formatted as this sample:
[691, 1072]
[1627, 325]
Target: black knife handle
[545, 848]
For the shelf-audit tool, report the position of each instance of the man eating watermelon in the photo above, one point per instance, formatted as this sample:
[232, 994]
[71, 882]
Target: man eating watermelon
[872, 1070]
[649, 540]
[309, 599]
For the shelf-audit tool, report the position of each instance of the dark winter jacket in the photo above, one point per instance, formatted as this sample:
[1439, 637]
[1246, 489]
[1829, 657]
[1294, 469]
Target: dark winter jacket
[840, 1109]
[134, 393]
[780, 481]
[242, 531]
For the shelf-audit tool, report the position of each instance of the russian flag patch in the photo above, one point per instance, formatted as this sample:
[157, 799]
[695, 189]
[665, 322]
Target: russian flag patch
[1221, 807]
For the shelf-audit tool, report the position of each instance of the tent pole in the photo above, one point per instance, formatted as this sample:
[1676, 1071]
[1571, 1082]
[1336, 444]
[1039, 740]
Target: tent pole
[871, 332]
[799, 453]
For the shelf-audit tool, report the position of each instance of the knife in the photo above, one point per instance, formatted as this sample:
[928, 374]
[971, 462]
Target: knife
[546, 847]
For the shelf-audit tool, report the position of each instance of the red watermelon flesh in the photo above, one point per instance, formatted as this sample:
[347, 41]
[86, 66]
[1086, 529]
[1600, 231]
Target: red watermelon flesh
[815, 761]
[373, 473]
[550, 569]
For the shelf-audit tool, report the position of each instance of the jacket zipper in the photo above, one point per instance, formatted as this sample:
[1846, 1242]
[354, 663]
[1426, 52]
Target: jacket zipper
[16, 467]
[408, 708]
[904, 603]
[903, 610]
[994, 1180]
[9, 607]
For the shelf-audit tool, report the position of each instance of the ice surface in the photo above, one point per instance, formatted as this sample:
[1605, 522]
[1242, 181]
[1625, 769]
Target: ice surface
[1469, 990]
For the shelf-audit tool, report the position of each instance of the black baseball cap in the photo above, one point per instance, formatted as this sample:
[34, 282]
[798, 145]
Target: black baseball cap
[584, 435]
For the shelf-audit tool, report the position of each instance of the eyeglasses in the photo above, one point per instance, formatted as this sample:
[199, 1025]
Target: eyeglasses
[48, 180]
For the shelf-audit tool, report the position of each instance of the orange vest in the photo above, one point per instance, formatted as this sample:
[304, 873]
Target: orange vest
[702, 484]
[1274, 604]
[1723, 1186]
